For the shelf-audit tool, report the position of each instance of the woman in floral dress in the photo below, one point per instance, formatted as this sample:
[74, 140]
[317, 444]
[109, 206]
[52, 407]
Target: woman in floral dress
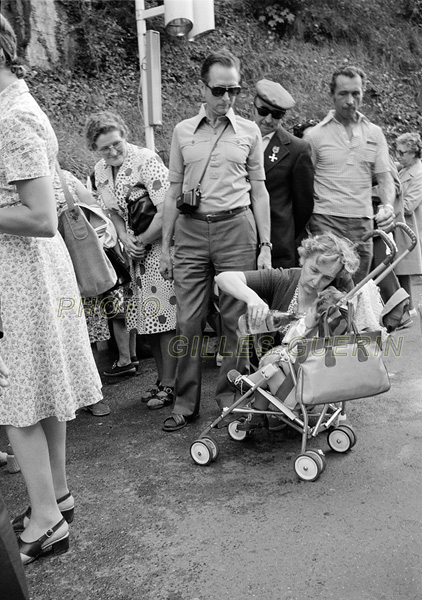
[52, 371]
[151, 309]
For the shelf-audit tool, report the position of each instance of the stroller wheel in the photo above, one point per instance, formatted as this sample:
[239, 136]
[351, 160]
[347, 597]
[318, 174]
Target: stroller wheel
[350, 432]
[320, 457]
[213, 446]
[307, 466]
[340, 439]
[235, 434]
[201, 453]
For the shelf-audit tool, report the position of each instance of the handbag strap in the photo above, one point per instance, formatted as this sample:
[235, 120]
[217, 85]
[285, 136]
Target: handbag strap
[209, 156]
[69, 198]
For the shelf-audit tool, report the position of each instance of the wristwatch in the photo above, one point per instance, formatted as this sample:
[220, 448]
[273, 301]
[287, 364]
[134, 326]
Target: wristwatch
[269, 244]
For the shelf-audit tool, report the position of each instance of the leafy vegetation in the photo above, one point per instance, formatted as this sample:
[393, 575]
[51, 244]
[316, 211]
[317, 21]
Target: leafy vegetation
[296, 42]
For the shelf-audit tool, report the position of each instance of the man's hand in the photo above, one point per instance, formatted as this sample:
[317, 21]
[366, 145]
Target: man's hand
[166, 266]
[264, 258]
[385, 217]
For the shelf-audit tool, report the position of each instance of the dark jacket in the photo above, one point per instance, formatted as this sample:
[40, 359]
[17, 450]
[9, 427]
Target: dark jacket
[289, 181]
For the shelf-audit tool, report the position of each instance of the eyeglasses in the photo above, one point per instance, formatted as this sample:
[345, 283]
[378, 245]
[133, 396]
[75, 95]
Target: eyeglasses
[218, 91]
[264, 111]
[402, 152]
[116, 146]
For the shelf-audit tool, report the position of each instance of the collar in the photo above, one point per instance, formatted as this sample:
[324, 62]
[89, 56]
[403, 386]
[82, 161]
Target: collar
[202, 115]
[8, 95]
[282, 135]
[330, 117]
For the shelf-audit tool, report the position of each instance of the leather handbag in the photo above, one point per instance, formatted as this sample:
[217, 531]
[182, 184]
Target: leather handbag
[94, 272]
[140, 208]
[337, 368]
[119, 265]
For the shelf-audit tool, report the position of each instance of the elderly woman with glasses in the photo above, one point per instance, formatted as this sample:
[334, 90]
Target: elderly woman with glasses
[408, 151]
[151, 309]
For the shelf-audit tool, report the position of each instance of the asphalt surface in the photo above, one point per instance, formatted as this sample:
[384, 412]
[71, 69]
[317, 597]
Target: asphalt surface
[152, 525]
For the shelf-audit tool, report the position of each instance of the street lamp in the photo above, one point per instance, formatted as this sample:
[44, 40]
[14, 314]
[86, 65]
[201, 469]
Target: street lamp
[181, 17]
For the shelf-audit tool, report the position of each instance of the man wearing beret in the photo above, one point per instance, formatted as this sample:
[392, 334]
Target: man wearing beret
[288, 170]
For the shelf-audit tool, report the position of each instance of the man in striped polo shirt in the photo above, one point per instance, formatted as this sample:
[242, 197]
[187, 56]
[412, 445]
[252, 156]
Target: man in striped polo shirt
[347, 150]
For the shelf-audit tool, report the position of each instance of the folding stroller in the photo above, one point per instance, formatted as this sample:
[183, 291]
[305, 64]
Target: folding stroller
[310, 420]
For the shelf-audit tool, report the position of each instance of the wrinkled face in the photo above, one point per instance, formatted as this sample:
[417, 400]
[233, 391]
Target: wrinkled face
[112, 146]
[219, 76]
[347, 97]
[405, 156]
[266, 123]
[317, 274]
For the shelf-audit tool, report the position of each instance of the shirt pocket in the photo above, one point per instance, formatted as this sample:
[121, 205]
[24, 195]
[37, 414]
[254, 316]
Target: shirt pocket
[370, 152]
[194, 151]
[235, 150]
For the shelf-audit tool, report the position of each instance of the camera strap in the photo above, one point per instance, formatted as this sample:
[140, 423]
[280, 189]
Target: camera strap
[209, 156]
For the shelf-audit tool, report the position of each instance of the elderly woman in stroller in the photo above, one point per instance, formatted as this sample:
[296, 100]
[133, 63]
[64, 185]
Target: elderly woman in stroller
[327, 265]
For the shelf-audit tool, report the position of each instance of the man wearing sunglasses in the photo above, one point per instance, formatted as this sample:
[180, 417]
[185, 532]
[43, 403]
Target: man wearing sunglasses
[222, 152]
[288, 170]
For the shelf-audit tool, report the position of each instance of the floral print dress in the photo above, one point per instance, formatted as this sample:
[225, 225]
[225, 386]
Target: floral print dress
[152, 305]
[45, 343]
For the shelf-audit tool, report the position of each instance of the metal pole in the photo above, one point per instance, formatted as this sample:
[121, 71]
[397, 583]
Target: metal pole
[141, 31]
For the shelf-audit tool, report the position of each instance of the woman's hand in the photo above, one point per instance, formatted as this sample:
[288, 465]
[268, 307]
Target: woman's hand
[4, 374]
[257, 311]
[135, 249]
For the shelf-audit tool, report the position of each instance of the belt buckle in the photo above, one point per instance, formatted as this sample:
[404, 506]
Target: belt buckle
[209, 218]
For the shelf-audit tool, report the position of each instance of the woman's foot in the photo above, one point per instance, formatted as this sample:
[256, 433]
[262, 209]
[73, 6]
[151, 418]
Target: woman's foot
[66, 506]
[55, 539]
[162, 398]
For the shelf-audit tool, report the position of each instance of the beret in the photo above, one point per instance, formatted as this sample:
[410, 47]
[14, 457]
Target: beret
[274, 94]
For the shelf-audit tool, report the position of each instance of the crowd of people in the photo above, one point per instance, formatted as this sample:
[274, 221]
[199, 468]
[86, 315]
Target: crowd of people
[244, 203]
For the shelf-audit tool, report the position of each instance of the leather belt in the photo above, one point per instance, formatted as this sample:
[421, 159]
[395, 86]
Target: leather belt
[221, 216]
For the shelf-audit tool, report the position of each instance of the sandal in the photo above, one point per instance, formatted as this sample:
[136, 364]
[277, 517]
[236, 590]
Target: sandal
[151, 392]
[163, 398]
[176, 422]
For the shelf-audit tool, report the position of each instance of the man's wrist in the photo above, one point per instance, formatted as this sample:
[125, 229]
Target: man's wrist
[266, 245]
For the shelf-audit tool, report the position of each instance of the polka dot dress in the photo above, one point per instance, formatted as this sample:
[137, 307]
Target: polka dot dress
[151, 301]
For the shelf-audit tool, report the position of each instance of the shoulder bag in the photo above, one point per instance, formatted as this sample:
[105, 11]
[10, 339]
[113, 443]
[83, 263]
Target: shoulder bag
[94, 272]
[140, 208]
[337, 368]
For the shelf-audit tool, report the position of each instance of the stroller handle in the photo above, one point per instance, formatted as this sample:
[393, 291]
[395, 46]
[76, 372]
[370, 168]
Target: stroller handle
[387, 241]
[409, 232]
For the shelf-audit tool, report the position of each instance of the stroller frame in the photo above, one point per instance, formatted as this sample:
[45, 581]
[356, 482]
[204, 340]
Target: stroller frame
[341, 437]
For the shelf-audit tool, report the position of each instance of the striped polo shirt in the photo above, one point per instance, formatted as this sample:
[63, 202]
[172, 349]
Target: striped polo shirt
[344, 167]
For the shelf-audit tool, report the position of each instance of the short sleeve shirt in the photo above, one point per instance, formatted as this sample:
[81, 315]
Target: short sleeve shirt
[28, 145]
[235, 161]
[275, 286]
[344, 168]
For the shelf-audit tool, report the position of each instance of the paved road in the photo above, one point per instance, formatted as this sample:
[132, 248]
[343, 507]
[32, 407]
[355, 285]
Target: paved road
[151, 525]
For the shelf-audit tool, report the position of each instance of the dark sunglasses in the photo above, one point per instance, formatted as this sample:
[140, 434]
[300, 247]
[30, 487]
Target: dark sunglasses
[219, 90]
[264, 111]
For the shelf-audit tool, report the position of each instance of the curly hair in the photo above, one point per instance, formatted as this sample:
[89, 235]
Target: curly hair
[331, 247]
[8, 47]
[412, 141]
[103, 122]
[347, 71]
